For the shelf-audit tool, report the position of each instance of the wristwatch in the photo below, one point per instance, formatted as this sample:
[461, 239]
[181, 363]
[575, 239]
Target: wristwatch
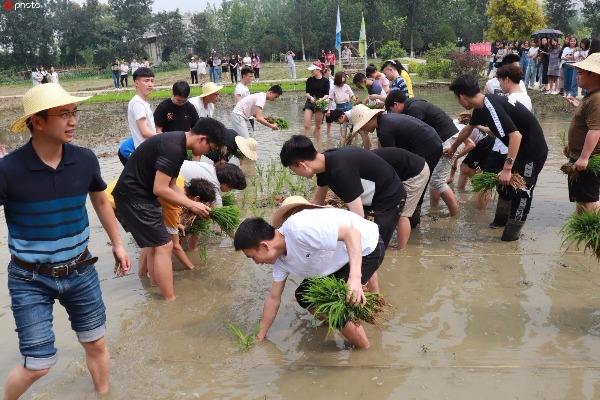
[509, 161]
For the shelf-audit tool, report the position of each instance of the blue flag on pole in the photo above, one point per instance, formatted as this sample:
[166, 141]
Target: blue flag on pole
[338, 31]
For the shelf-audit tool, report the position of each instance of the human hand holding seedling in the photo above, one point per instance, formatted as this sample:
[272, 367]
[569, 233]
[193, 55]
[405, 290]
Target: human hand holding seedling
[200, 209]
[505, 176]
[122, 261]
[356, 295]
[581, 164]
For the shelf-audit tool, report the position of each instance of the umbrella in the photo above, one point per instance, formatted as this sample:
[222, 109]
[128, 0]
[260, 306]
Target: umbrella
[546, 33]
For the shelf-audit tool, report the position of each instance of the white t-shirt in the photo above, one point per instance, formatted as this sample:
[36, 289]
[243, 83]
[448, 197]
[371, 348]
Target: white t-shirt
[193, 65]
[493, 86]
[533, 51]
[247, 105]
[242, 90]
[53, 77]
[201, 170]
[340, 94]
[134, 66]
[124, 69]
[522, 98]
[312, 245]
[202, 68]
[203, 112]
[136, 109]
[247, 60]
[290, 59]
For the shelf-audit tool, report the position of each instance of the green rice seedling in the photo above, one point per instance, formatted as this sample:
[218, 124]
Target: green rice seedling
[322, 105]
[244, 341]
[228, 199]
[583, 228]
[199, 226]
[326, 296]
[227, 217]
[203, 253]
[488, 181]
[280, 122]
[593, 166]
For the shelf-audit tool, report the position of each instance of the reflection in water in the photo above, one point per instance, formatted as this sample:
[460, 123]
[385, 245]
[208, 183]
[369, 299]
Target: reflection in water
[471, 316]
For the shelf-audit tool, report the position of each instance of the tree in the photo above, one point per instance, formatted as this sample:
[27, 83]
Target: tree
[133, 18]
[513, 19]
[591, 12]
[560, 13]
[168, 26]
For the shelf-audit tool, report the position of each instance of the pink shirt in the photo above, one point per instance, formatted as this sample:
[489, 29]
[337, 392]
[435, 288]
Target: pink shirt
[341, 94]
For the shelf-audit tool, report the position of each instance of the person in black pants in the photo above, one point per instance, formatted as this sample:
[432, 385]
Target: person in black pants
[520, 131]
[233, 68]
[365, 182]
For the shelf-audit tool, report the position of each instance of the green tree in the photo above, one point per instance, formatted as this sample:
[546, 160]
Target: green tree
[168, 26]
[133, 18]
[513, 19]
[560, 13]
[591, 12]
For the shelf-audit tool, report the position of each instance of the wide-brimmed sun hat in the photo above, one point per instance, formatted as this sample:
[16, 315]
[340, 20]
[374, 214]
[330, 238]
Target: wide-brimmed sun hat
[247, 146]
[290, 206]
[314, 67]
[43, 97]
[210, 88]
[591, 63]
[362, 114]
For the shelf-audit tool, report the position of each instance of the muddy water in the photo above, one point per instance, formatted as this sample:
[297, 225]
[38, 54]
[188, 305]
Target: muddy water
[471, 316]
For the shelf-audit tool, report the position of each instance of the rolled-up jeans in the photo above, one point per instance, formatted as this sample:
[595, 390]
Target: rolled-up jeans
[530, 73]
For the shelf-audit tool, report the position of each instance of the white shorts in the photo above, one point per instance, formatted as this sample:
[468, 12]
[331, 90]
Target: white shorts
[414, 188]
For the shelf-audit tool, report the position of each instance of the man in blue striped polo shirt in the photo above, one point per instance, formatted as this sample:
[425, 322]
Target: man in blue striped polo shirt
[43, 188]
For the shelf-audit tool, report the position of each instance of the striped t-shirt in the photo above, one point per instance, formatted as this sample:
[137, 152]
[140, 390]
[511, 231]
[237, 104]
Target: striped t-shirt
[45, 207]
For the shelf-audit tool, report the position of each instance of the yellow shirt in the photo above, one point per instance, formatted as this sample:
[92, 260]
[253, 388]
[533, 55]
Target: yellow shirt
[408, 82]
[171, 212]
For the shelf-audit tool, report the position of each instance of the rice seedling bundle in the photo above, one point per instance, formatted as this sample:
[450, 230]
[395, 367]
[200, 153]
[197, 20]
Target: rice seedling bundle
[280, 122]
[244, 341]
[583, 229]
[322, 105]
[326, 296]
[593, 166]
[228, 199]
[487, 181]
[227, 217]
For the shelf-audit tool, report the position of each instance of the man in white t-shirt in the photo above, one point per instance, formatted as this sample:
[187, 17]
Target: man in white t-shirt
[252, 106]
[205, 103]
[139, 114]
[307, 240]
[134, 66]
[242, 90]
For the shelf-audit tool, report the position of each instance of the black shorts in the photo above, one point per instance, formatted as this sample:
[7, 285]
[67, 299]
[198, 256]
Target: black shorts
[370, 264]
[312, 107]
[480, 153]
[386, 220]
[584, 187]
[494, 162]
[144, 221]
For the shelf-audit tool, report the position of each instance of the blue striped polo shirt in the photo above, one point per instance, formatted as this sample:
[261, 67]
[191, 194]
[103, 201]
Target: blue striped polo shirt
[45, 207]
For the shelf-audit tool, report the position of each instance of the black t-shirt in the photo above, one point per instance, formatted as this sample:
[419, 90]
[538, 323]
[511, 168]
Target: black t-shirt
[406, 164]
[233, 63]
[346, 166]
[171, 117]
[432, 115]
[317, 88]
[503, 116]
[164, 152]
[231, 147]
[409, 133]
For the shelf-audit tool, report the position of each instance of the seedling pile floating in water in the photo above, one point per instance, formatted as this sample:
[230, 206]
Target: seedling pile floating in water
[280, 122]
[326, 296]
[488, 181]
[583, 229]
[244, 342]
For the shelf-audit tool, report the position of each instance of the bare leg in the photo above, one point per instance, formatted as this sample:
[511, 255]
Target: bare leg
[403, 232]
[163, 270]
[19, 380]
[318, 122]
[143, 263]
[150, 264]
[308, 114]
[192, 242]
[366, 139]
[328, 128]
[343, 132]
[373, 283]
[356, 335]
[465, 173]
[97, 359]
[180, 254]
[450, 200]
[595, 206]
[483, 199]
[434, 198]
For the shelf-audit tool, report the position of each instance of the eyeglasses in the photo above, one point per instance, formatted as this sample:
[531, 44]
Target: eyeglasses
[66, 115]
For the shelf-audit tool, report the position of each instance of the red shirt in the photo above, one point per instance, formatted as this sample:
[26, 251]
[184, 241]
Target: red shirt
[330, 58]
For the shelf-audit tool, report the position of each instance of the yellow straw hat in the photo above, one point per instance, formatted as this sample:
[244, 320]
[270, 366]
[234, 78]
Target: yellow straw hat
[247, 146]
[362, 114]
[290, 206]
[210, 88]
[43, 97]
[591, 63]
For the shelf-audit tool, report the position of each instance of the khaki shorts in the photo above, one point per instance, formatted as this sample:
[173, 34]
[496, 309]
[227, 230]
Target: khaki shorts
[414, 188]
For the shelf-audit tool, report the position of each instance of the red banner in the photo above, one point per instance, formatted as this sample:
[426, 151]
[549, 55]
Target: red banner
[481, 49]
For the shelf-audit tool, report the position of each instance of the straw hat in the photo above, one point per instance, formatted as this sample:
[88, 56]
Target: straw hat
[40, 98]
[314, 67]
[193, 58]
[247, 146]
[362, 114]
[290, 206]
[210, 88]
[591, 63]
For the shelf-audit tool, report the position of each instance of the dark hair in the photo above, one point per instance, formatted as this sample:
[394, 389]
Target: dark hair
[394, 96]
[510, 71]
[181, 88]
[201, 188]
[211, 128]
[42, 114]
[297, 148]
[333, 116]
[370, 70]
[143, 72]
[246, 70]
[394, 64]
[510, 58]
[584, 44]
[465, 84]
[594, 46]
[230, 175]
[276, 89]
[251, 232]
[359, 78]
[338, 79]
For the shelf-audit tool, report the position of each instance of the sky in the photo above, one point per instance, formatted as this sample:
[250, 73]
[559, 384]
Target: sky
[171, 5]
